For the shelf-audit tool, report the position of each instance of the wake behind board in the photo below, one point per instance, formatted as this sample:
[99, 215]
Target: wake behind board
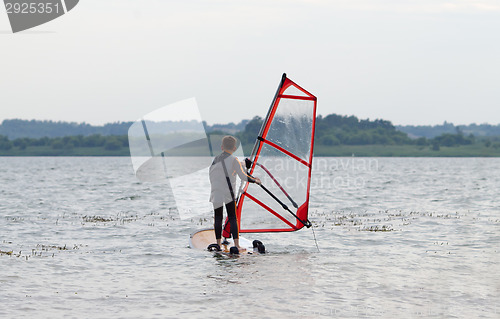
[203, 238]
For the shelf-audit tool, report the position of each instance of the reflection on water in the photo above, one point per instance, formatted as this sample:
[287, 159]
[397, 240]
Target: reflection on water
[81, 237]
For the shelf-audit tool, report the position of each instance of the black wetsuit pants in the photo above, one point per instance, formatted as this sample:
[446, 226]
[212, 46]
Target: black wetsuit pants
[231, 214]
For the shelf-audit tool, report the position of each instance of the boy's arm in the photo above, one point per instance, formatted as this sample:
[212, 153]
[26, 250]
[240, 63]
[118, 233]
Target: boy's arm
[245, 176]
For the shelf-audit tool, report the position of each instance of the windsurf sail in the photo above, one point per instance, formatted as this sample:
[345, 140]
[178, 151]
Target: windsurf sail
[282, 159]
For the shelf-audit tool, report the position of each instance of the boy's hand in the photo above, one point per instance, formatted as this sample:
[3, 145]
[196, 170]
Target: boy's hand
[257, 181]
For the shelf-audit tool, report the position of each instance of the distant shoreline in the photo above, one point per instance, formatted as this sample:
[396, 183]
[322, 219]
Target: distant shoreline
[475, 150]
[335, 135]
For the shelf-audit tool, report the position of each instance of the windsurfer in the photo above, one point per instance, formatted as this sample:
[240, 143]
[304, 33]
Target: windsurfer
[222, 175]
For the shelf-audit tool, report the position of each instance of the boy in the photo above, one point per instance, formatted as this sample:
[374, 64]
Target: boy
[223, 183]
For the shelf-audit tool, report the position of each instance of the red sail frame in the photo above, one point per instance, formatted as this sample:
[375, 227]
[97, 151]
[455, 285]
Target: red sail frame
[302, 211]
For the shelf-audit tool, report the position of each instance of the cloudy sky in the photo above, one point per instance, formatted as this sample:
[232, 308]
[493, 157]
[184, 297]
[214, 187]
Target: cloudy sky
[407, 61]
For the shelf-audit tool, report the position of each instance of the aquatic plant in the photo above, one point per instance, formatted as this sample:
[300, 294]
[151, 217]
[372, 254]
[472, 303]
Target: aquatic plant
[96, 219]
[8, 253]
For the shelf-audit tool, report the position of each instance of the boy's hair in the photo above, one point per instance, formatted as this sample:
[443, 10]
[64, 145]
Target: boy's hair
[229, 143]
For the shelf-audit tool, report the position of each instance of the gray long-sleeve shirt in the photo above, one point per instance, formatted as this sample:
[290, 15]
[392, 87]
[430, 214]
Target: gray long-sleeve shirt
[220, 193]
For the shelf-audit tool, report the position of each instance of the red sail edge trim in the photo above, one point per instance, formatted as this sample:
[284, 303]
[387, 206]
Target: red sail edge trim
[302, 213]
[289, 82]
[297, 97]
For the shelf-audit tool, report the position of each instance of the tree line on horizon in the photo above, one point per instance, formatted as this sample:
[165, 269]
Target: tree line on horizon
[108, 143]
[336, 130]
[430, 131]
[331, 130]
[16, 128]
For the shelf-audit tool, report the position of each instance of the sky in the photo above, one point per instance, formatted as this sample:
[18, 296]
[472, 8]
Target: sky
[412, 62]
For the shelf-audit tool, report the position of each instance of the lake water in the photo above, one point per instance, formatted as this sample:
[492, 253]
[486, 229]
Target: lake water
[397, 237]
